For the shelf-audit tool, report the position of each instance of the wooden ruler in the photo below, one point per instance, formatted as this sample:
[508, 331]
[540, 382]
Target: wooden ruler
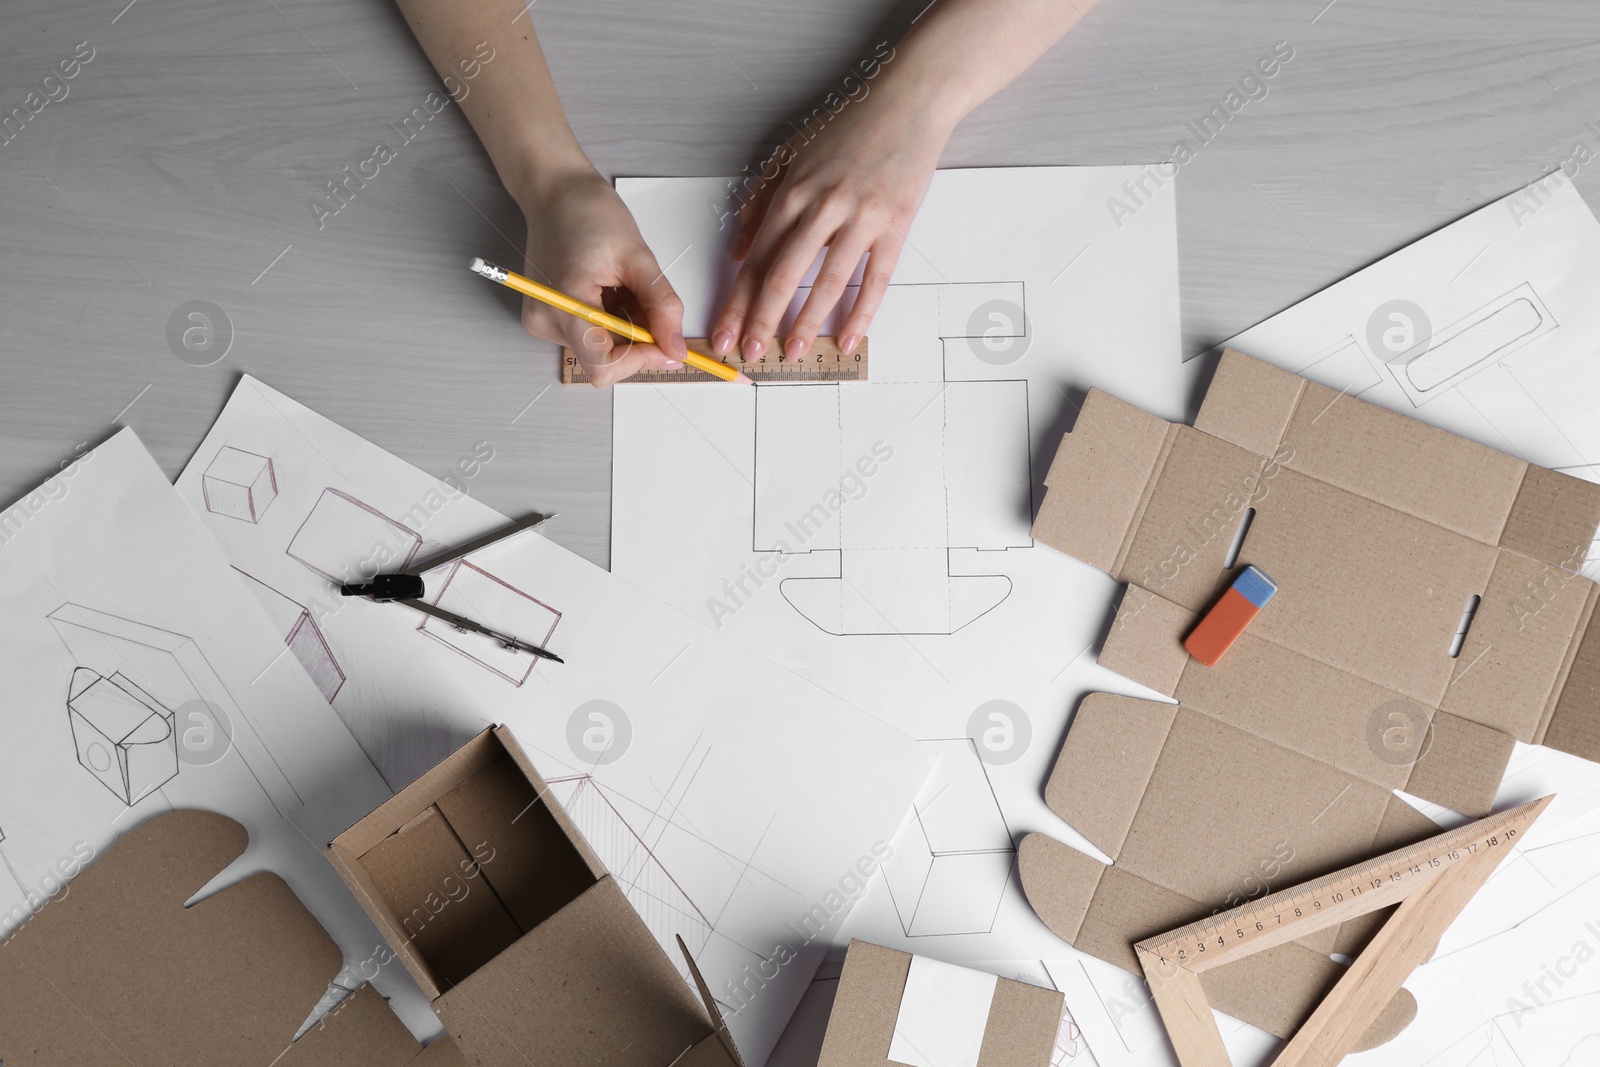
[1431, 881]
[822, 362]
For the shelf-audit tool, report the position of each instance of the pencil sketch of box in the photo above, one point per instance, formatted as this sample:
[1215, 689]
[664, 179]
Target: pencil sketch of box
[474, 593]
[302, 634]
[953, 859]
[123, 735]
[345, 540]
[172, 669]
[239, 484]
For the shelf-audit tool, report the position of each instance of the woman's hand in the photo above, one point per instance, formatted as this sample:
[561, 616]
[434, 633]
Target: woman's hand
[583, 241]
[853, 180]
[854, 188]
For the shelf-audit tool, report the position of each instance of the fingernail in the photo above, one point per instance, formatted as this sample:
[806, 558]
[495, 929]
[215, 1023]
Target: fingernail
[675, 346]
[795, 348]
[847, 344]
[752, 348]
[721, 342]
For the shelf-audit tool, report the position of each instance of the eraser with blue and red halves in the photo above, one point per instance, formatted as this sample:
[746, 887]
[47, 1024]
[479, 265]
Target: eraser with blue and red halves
[1227, 619]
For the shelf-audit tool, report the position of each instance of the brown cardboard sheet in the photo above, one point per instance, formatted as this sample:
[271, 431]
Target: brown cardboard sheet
[117, 970]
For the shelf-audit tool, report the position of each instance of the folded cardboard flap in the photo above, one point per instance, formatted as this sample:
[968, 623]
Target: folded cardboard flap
[1574, 721]
[1105, 465]
[588, 985]
[1105, 765]
[117, 970]
[1553, 518]
[1020, 1029]
[724, 1038]
[512, 926]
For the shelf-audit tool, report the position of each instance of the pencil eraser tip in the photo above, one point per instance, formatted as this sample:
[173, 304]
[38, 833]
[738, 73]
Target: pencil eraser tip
[477, 265]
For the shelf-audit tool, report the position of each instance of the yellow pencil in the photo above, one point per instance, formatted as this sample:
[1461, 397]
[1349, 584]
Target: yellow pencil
[621, 327]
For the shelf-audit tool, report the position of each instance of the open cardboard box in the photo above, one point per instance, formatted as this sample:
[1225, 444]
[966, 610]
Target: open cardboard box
[1280, 762]
[514, 929]
[1017, 1027]
[484, 890]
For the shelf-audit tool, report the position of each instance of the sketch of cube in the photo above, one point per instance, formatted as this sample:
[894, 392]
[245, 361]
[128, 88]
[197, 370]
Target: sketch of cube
[303, 636]
[347, 541]
[474, 593]
[953, 859]
[123, 735]
[239, 484]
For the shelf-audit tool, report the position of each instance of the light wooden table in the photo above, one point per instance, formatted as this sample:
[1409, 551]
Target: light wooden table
[183, 160]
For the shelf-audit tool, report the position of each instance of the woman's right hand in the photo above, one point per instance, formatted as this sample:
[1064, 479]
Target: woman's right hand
[583, 241]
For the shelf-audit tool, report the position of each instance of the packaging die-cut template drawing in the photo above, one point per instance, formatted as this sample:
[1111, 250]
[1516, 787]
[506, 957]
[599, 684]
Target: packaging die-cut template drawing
[875, 536]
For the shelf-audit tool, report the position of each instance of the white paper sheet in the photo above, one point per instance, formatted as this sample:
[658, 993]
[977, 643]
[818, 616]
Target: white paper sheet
[944, 1011]
[875, 536]
[141, 678]
[733, 801]
[1486, 328]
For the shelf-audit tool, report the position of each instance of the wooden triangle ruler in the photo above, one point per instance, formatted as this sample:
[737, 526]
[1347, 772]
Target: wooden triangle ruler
[1431, 881]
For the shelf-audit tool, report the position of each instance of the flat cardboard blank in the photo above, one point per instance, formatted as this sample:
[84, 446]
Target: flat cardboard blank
[1284, 758]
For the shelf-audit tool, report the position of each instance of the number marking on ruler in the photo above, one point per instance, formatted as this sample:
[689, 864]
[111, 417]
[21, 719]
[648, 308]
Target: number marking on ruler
[822, 362]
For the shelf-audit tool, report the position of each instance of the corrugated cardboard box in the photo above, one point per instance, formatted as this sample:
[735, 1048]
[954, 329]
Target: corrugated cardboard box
[510, 923]
[1006, 1023]
[1278, 763]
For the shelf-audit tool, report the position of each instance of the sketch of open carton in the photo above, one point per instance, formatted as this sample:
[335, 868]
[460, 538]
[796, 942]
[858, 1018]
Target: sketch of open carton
[124, 737]
[891, 488]
[1428, 617]
[172, 672]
